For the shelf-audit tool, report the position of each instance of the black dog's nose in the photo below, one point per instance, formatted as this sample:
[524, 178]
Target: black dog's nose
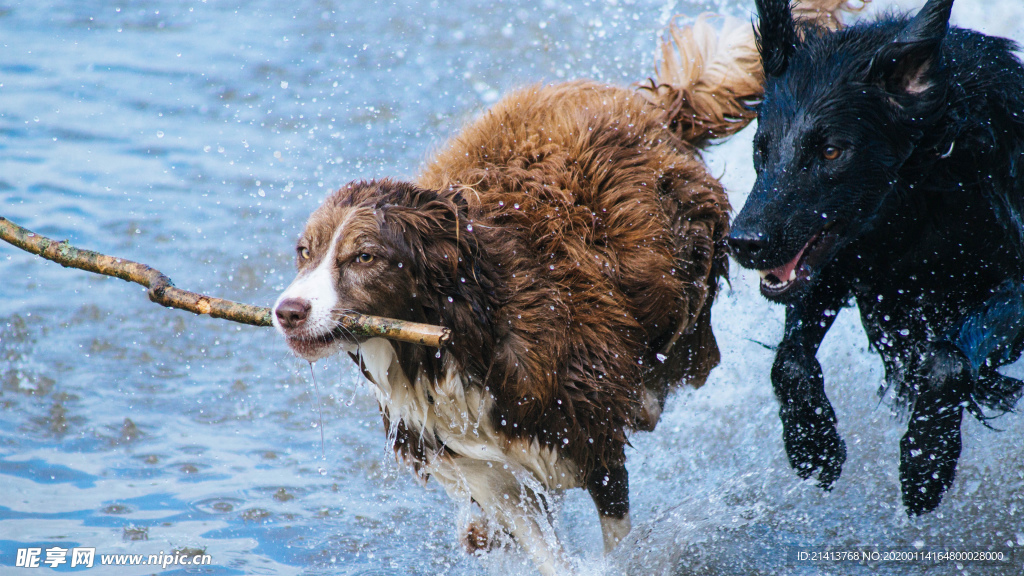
[746, 246]
[292, 312]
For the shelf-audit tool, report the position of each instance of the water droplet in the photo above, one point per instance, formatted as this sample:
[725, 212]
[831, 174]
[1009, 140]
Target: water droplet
[661, 357]
[322, 471]
[516, 206]
[469, 227]
[159, 133]
[438, 355]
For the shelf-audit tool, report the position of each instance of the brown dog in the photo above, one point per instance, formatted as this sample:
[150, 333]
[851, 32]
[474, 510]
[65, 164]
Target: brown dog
[572, 240]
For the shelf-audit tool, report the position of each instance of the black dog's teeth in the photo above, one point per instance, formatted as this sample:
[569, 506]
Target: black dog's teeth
[773, 281]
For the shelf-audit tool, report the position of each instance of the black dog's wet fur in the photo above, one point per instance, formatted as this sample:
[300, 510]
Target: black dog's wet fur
[922, 208]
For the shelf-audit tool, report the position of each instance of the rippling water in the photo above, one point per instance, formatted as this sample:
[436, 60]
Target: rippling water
[196, 137]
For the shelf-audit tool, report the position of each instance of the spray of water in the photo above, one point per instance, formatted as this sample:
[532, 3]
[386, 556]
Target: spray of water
[320, 416]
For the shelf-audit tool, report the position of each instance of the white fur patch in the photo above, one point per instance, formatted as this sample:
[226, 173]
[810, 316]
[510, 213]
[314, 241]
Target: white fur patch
[459, 416]
[505, 478]
[316, 286]
[614, 530]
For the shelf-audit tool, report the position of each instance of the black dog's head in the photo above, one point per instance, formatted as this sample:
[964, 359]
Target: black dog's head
[842, 113]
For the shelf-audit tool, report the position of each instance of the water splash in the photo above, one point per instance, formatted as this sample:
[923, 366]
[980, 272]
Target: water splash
[320, 413]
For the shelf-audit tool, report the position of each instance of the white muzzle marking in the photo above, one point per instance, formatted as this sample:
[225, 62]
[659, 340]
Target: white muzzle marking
[318, 288]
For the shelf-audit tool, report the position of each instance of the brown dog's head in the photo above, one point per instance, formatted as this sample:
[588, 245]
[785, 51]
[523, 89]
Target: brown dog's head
[351, 257]
[383, 248]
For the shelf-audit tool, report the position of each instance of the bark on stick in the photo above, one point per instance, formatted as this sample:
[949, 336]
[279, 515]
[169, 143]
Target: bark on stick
[163, 292]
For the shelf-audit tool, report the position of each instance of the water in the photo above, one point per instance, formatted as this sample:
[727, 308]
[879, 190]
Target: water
[196, 137]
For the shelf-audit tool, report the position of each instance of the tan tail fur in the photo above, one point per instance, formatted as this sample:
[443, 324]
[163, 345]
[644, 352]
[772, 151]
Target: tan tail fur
[708, 77]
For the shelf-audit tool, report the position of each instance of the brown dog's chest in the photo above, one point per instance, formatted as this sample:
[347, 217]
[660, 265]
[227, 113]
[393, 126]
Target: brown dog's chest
[445, 420]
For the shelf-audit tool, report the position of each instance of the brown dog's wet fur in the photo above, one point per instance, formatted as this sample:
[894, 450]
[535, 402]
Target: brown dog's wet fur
[566, 237]
[573, 244]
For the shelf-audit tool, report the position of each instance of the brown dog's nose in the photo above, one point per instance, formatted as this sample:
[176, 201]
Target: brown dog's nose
[292, 312]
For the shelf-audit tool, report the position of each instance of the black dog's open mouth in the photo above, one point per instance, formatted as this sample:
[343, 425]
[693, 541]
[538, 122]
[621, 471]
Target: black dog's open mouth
[777, 282]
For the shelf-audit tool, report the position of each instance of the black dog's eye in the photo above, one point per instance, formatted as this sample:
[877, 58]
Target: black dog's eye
[304, 253]
[364, 258]
[830, 152]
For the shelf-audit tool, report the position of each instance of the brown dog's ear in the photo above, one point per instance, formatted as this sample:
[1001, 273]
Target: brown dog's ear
[775, 34]
[457, 287]
[436, 232]
[909, 64]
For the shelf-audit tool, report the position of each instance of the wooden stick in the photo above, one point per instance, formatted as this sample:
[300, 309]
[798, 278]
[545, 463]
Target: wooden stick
[163, 292]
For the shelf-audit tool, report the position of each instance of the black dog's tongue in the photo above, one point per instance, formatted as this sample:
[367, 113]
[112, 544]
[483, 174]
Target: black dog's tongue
[787, 272]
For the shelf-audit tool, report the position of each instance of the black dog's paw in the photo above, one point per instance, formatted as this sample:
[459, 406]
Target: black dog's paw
[928, 456]
[813, 444]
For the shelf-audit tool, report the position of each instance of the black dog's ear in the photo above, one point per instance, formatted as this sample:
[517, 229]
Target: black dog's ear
[907, 65]
[775, 34]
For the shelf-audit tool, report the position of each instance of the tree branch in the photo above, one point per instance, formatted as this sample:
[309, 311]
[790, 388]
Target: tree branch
[163, 292]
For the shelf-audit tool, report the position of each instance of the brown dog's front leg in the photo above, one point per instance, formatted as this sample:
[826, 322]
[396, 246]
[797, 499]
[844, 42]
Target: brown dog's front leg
[609, 487]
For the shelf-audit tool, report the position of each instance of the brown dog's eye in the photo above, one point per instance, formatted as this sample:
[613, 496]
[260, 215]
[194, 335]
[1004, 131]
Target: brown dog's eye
[364, 258]
[830, 152]
[304, 253]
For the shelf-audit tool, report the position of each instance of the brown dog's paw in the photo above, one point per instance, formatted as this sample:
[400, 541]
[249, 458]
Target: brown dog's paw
[477, 537]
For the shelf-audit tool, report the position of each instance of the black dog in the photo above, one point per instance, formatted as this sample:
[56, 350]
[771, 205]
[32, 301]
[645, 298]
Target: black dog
[890, 170]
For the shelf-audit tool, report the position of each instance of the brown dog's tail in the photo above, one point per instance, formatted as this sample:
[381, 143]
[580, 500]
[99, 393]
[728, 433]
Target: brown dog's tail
[826, 14]
[708, 78]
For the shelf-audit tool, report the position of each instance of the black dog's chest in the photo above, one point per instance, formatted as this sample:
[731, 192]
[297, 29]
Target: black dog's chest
[929, 262]
[916, 285]
[893, 320]
[921, 301]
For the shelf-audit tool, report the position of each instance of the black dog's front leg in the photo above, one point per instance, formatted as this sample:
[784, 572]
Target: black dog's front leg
[931, 447]
[808, 421]
[944, 378]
